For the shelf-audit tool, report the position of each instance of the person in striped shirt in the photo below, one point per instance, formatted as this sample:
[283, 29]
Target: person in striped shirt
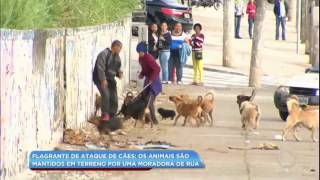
[197, 40]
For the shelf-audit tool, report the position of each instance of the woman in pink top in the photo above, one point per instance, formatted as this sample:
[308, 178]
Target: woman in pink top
[251, 11]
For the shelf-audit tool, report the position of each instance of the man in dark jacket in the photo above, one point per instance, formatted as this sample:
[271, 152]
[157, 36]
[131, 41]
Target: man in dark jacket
[107, 67]
[281, 11]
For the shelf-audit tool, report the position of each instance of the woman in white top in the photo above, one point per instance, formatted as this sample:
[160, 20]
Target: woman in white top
[178, 38]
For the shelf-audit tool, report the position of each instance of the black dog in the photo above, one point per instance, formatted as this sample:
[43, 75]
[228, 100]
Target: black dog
[166, 113]
[106, 127]
[136, 108]
[242, 98]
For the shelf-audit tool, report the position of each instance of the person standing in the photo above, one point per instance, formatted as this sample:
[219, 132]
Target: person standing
[238, 15]
[281, 11]
[150, 71]
[178, 38]
[106, 68]
[251, 11]
[164, 44]
[197, 40]
[153, 40]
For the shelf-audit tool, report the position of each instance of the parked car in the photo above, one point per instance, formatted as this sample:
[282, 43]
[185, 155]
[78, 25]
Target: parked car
[170, 11]
[207, 3]
[305, 86]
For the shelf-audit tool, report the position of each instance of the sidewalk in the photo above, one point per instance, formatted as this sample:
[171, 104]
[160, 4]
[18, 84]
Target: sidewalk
[279, 57]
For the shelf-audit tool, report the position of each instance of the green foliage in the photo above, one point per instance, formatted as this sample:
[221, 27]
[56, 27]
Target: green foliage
[38, 14]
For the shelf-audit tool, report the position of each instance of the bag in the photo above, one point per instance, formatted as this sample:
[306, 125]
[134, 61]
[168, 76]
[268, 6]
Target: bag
[198, 55]
[160, 44]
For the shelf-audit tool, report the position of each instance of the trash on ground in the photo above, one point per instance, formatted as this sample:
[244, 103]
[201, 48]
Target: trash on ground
[312, 170]
[93, 146]
[217, 150]
[74, 137]
[278, 137]
[256, 133]
[262, 146]
[157, 145]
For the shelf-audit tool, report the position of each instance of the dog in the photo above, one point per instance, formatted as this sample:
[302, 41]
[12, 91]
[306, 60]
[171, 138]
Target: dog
[107, 127]
[190, 109]
[166, 113]
[136, 108]
[98, 103]
[250, 115]
[242, 98]
[307, 116]
[207, 107]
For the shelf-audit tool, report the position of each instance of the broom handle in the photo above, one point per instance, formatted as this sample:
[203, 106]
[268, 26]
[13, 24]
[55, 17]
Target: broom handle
[142, 90]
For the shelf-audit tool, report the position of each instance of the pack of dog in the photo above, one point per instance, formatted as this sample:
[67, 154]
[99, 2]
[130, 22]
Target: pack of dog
[249, 111]
[307, 116]
[136, 108]
[207, 106]
[166, 113]
[189, 109]
[107, 127]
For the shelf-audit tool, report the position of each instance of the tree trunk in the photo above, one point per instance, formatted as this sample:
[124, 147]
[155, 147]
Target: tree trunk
[315, 49]
[308, 27]
[228, 33]
[257, 46]
[292, 14]
[303, 21]
[311, 29]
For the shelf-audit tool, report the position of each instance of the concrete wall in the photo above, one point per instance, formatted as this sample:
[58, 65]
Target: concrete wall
[46, 85]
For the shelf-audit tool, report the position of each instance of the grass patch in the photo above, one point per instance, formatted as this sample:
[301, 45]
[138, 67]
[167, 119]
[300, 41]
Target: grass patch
[39, 14]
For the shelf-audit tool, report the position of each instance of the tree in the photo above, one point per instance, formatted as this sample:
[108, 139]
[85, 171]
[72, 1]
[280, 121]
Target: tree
[292, 14]
[228, 33]
[257, 46]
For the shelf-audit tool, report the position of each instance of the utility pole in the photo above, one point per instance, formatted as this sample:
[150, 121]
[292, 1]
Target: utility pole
[298, 25]
[228, 33]
[257, 46]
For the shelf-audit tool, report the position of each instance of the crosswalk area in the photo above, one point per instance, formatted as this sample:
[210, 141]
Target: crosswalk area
[219, 79]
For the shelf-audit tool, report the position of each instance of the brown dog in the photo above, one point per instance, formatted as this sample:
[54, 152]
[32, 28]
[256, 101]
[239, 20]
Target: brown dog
[187, 109]
[308, 116]
[250, 115]
[207, 107]
[242, 98]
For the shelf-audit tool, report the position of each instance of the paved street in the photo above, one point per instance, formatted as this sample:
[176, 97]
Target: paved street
[212, 144]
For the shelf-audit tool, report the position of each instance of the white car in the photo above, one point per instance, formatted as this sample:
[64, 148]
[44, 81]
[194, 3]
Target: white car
[305, 86]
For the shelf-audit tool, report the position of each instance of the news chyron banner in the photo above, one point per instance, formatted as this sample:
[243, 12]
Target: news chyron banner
[114, 160]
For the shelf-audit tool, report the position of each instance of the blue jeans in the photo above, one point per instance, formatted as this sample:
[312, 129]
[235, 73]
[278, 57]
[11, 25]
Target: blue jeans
[164, 57]
[237, 23]
[281, 21]
[251, 24]
[174, 62]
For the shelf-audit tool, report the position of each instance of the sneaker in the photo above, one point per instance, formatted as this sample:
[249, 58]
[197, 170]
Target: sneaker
[194, 83]
[164, 82]
[105, 117]
[180, 82]
[169, 82]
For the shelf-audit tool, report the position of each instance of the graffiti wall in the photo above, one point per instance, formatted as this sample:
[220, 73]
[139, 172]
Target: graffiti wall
[46, 85]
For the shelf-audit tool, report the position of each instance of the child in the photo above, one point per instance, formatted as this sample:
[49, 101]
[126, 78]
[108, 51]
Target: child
[197, 40]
